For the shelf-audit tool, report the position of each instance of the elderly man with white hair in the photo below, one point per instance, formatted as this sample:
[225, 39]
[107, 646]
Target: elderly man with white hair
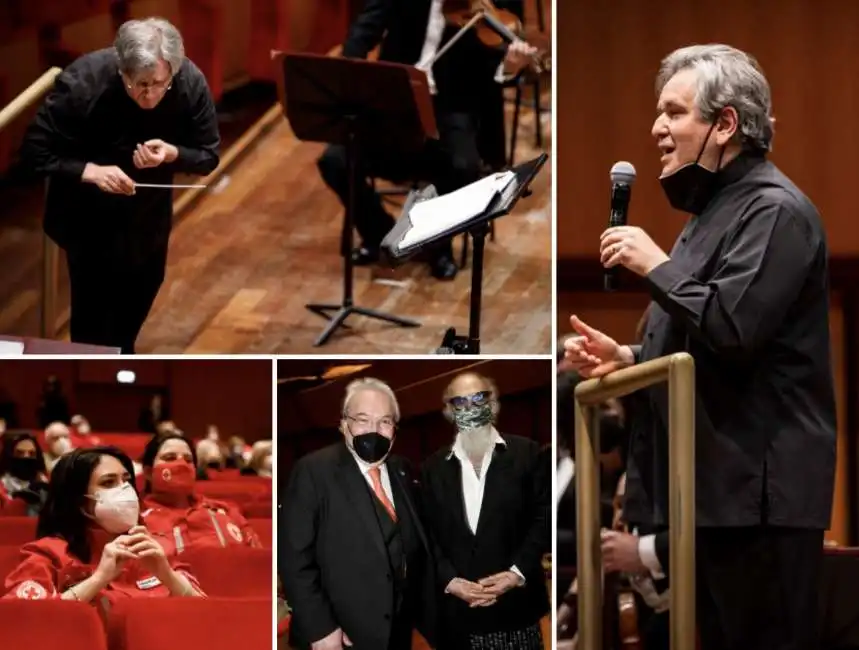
[488, 500]
[745, 292]
[58, 443]
[137, 112]
[353, 555]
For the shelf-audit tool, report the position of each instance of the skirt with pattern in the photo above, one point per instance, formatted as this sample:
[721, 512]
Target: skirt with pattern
[529, 638]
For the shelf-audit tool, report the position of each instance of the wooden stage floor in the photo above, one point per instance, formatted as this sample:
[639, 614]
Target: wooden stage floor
[246, 259]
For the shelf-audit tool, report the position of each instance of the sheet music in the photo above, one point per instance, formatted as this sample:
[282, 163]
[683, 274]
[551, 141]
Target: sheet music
[435, 216]
[11, 348]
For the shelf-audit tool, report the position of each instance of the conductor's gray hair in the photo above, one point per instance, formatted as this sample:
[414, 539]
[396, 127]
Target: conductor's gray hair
[370, 383]
[141, 44]
[726, 76]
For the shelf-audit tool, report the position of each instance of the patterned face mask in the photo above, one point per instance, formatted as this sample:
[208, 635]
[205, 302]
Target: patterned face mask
[473, 417]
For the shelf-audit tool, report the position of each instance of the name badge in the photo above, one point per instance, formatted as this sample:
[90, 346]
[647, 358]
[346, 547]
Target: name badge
[149, 583]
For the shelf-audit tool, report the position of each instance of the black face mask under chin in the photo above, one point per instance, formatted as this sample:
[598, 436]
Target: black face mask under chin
[690, 187]
[371, 447]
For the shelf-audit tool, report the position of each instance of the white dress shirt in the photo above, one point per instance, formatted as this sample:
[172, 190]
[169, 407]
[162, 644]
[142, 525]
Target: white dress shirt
[473, 486]
[432, 40]
[565, 474]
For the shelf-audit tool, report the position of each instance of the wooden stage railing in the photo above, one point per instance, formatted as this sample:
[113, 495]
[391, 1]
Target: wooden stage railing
[679, 371]
[50, 253]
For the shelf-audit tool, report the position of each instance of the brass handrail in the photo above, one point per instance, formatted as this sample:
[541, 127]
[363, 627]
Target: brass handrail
[30, 95]
[50, 255]
[679, 371]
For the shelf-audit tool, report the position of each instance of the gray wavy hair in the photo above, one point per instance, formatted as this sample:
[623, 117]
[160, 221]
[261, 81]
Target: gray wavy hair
[726, 77]
[141, 44]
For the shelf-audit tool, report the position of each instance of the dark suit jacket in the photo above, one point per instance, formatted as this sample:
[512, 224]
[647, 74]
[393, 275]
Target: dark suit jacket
[463, 75]
[331, 555]
[89, 118]
[514, 529]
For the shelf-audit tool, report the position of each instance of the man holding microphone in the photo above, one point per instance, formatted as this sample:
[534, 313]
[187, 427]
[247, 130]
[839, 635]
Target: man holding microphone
[135, 113]
[745, 292]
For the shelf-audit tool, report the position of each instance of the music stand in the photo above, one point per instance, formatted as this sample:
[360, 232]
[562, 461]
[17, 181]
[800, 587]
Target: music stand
[478, 227]
[363, 105]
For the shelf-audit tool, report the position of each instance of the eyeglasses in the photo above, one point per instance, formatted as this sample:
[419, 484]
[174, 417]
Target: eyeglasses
[154, 87]
[364, 423]
[461, 402]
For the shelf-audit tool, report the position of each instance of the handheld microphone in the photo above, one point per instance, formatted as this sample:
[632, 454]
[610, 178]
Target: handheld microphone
[622, 178]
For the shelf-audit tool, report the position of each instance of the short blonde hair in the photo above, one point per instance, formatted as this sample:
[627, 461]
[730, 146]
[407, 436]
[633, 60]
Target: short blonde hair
[371, 383]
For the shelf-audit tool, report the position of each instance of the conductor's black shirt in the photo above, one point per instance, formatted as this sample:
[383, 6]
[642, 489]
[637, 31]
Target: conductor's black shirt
[746, 294]
[89, 117]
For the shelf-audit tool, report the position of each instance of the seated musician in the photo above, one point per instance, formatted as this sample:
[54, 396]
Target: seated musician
[643, 559]
[411, 32]
[90, 546]
[176, 516]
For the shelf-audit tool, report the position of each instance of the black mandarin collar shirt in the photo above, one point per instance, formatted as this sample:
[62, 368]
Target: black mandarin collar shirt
[746, 294]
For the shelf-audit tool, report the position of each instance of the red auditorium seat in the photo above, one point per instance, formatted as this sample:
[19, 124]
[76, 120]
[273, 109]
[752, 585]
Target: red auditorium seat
[49, 624]
[241, 492]
[130, 443]
[197, 624]
[14, 508]
[10, 557]
[15, 531]
[259, 509]
[234, 572]
[263, 529]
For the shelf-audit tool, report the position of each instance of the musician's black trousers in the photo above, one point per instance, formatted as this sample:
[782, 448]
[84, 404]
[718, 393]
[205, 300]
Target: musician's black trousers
[758, 587]
[111, 298]
[449, 163]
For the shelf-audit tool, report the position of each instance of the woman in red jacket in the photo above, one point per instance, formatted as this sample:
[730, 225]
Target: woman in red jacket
[90, 545]
[180, 519]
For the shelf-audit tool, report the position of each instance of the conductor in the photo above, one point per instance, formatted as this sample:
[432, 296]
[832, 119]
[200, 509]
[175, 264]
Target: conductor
[137, 112]
[745, 292]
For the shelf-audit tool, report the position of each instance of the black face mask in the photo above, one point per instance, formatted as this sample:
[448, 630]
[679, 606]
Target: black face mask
[371, 447]
[24, 468]
[690, 188]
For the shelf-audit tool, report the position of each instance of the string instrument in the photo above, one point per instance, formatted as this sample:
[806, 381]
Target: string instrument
[495, 28]
[627, 609]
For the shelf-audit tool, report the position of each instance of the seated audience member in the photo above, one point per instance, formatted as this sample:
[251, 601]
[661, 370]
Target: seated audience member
[58, 442]
[180, 519]
[90, 546]
[260, 460]
[82, 435]
[210, 458]
[237, 454]
[23, 474]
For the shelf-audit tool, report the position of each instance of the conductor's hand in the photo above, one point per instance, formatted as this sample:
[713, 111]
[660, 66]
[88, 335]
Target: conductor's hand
[337, 640]
[620, 552]
[153, 153]
[631, 247]
[108, 179]
[592, 353]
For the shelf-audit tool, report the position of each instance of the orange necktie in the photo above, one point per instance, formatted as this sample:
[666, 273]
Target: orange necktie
[376, 480]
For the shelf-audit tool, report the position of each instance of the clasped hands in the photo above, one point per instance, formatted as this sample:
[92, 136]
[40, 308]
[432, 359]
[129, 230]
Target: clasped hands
[137, 544]
[112, 179]
[484, 592]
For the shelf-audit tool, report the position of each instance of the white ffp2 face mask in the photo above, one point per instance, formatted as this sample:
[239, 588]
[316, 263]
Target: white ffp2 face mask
[116, 509]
